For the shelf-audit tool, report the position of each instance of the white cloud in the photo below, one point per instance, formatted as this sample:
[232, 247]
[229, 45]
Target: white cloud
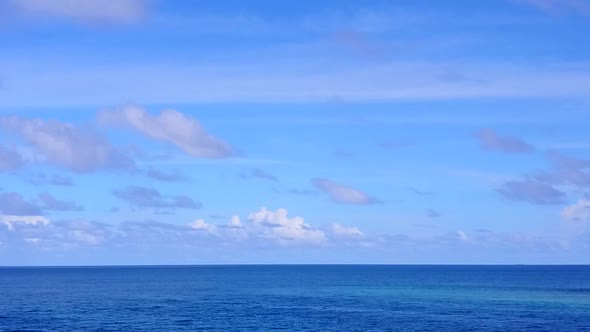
[580, 211]
[122, 11]
[235, 222]
[461, 235]
[234, 230]
[346, 231]
[200, 224]
[343, 194]
[64, 144]
[170, 126]
[285, 230]
[12, 221]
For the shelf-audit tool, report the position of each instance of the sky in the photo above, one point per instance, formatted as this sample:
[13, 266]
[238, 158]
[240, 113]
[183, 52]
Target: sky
[294, 132]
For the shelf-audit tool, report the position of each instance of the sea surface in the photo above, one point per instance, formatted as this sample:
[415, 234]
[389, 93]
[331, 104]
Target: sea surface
[296, 298]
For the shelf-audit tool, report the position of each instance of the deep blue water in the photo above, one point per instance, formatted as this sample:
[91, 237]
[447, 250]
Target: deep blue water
[296, 298]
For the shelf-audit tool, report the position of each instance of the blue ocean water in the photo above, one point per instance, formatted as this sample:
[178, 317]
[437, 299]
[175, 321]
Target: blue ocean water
[296, 298]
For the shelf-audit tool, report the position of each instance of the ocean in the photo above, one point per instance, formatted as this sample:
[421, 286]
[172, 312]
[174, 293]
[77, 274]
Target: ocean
[296, 298]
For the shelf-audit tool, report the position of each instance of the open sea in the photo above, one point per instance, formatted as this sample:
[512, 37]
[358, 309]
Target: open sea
[296, 298]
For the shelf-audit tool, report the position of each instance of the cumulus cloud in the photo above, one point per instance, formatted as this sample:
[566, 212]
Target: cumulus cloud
[148, 197]
[580, 211]
[9, 159]
[119, 11]
[170, 126]
[235, 222]
[50, 203]
[79, 149]
[490, 140]
[280, 227]
[200, 224]
[532, 191]
[14, 204]
[343, 194]
[258, 173]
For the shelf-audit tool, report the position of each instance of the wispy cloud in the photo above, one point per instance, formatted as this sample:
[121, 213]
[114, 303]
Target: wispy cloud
[51, 203]
[151, 198]
[566, 171]
[40, 179]
[532, 191]
[9, 159]
[78, 149]
[291, 81]
[432, 213]
[302, 192]
[161, 175]
[14, 204]
[258, 173]
[491, 140]
[93, 11]
[343, 194]
[170, 126]
[560, 7]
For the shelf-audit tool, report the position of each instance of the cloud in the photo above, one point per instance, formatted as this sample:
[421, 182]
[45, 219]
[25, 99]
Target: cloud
[258, 173]
[346, 231]
[200, 224]
[170, 126]
[15, 205]
[54, 180]
[560, 7]
[13, 221]
[280, 227]
[461, 235]
[580, 211]
[532, 191]
[343, 194]
[566, 171]
[562, 161]
[50, 203]
[119, 11]
[302, 192]
[420, 192]
[512, 145]
[290, 77]
[78, 149]
[9, 159]
[165, 176]
[148, 197]
[432, 213]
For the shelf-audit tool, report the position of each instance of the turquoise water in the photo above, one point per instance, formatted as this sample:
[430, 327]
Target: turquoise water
[296, 298]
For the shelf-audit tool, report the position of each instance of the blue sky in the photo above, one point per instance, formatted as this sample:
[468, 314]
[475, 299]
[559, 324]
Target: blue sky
[218, 132]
